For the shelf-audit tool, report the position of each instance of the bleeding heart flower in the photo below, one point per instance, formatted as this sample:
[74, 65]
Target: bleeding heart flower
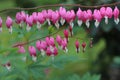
[84, 46]
[109, 14]
[9, 23]
[38, 45]
[40, 20]
[49, 16]
[51, 52]
[97, 17]
[59, 40]
[29, 21]
[8, 66]
[21, 49]
[106, 13]
[64, 45]
[55, 18]
[48, 51]
[62, 12]
[0, 24]
[43, 47]
[77, 45]
[71, 30]
[116, 13]
[50, 41]
[103, 11]
[80, 16]
[70, 16]
[34, 16]
[88, 17]
[20, 18]
[66, 34]
[32, 52]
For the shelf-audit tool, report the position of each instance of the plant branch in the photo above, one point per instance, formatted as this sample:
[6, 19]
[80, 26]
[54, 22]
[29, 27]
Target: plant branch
[58, 5]
[25, 43]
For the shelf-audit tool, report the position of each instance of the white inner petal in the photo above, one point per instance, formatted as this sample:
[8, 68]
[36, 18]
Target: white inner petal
[87, 23]
[38, 25]
[49, 23]
[116, 20]
[71, 24]
[42, 52]
[10, 30]
[21, 24]
[66, 50]
[97, 23]
[57, 25]
[8, 67]
[52, 49]
[62, 21]
[34, 58]
[28, 28]
[79, 22]
[106, 19]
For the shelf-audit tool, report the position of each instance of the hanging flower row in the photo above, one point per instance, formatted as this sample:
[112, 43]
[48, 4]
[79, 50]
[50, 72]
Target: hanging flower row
[59, 17]
[50, 48]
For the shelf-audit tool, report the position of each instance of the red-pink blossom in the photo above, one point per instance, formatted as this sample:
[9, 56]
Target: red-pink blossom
[97, 17]
[66, 34]
[116, 13]
[32, 52]
[77, 45]
[21, 49]
[9, 22]
[35, 17]
[84, 46]
[59, 40]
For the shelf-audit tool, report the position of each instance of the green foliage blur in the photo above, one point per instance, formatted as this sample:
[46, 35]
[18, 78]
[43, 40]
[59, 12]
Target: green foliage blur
[72, 66]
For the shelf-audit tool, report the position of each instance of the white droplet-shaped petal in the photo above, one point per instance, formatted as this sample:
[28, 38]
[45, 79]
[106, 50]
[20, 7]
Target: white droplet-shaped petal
[28, 28]
[66, 50]
[71, 24]
[97, 23]
[79, 22]
[116, 20]
[34, 58]
[52, 49]
[57, 25]
[87, 23]
[78, 50]
[62, 21]
[21, 24]
[10, 30]
[38, 26]
[8, 68]
[0, 29]
[106, 19]
[42, 52]
[49, 23]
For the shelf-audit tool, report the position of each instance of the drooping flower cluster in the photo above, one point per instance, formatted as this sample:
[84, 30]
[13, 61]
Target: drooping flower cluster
[50, 45]
[62, 16]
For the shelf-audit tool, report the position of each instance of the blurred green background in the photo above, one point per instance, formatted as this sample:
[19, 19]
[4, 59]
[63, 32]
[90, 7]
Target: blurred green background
[101, 61]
